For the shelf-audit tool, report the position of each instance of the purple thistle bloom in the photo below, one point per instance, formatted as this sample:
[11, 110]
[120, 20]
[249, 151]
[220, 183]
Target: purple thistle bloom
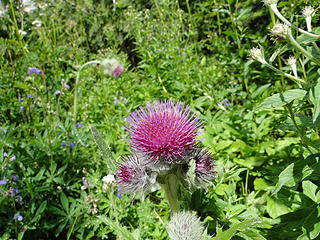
[204, 165]
[164, 130]
[3, 181]
[14, 178]
[132, 176]
[12, 159]
[18, 217]
[33, 70]
[57, 92]
[117, 71]
[79, 125]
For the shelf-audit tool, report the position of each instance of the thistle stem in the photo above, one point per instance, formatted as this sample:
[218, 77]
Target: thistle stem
[170, 187]
[77, 86]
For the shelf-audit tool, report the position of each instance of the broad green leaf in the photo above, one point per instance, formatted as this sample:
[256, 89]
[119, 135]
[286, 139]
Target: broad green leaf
[122, 232]
[275, 208]
[315, 99]
[228, 234]
[286, 178]
[309, 189]
[260, 184]
[281, 99]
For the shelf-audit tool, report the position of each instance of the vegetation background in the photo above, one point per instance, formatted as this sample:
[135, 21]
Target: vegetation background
[51, 170]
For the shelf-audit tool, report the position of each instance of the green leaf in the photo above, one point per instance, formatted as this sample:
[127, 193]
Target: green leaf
[281, 99]
[64, 202]
[228, 234]
[39, 211]
[309, 189]
[286, 178]
[257, 92]
[121, 231]
[275, 208]
[315, 99]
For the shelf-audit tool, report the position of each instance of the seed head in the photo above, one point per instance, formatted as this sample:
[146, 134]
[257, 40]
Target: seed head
[185, 226]
[164, 130]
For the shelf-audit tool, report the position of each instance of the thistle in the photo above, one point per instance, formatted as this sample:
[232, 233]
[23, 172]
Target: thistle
[185, 226]
[163, 131]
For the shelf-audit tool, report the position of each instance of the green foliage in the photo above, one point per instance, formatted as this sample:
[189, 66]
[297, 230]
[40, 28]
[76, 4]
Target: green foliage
[262, 129]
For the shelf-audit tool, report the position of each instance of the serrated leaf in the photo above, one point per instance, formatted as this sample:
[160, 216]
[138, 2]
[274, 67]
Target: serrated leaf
[104, 149]
[281, 99]
[122, 232]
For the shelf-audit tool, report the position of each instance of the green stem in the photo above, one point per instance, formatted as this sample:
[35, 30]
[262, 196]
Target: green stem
[301, 49]
[274, 8]
[77, 86]
[170, 187]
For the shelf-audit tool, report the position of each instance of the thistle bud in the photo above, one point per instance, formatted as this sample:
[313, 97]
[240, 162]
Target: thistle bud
[111, 67]
[184, 225]
[308, 13]
[257, 55]
[292, 63]
[280, 31]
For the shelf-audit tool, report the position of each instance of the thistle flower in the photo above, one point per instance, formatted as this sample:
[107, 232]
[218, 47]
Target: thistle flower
[280, 31]
[132, 176]
[185, 226]
[257, 55]
[308, 13]
[112, 67]
[164, 130]
[204, 170]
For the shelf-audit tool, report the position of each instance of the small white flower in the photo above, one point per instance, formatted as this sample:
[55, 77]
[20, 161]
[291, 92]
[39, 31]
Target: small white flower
[23, 33]
[280, 31]
[308, 11]
[37, 23]
[292, 63]
[257, 54]
[108, 179]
